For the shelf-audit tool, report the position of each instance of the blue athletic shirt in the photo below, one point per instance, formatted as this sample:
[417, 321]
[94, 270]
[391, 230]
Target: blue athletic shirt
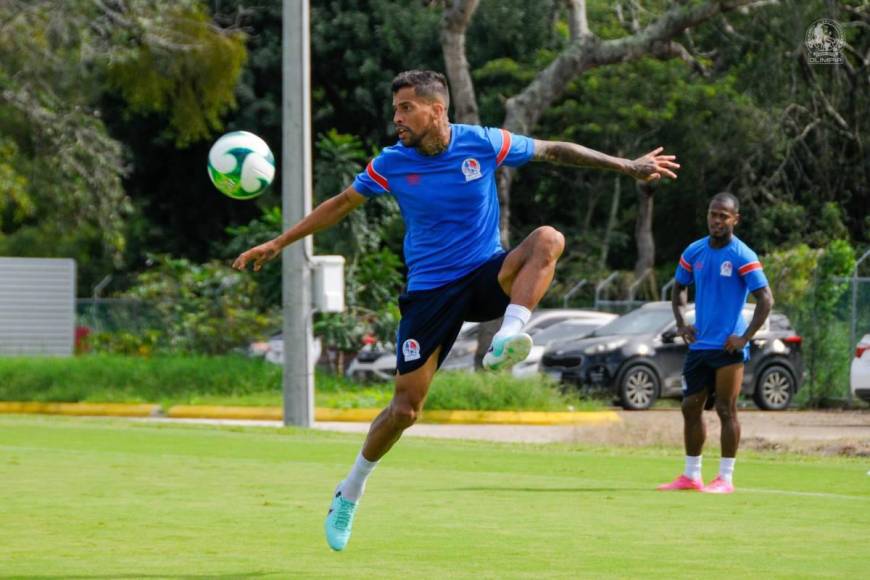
[723, 278]
[449, 201]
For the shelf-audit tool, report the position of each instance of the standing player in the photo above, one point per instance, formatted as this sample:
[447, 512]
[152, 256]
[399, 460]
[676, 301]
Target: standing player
[443, 177]
[724, 271]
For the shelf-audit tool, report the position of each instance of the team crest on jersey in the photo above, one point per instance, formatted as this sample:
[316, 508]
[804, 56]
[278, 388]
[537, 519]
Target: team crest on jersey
[471, 169]
[725, 269]
[411, 350]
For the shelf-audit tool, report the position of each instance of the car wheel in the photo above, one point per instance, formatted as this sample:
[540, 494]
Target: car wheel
[638, 387]
[775, 388]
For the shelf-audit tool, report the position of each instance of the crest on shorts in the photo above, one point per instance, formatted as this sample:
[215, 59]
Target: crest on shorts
[726, 268]
[411, 350]
[471, 169]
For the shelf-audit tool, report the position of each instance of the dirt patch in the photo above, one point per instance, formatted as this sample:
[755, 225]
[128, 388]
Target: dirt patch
[816, 432]
[810, 432]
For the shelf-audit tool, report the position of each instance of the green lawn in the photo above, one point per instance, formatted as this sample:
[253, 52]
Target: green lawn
[93, 498]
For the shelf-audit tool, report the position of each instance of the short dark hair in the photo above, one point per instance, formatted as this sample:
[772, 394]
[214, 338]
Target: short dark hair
[726, 197]
[426, 83]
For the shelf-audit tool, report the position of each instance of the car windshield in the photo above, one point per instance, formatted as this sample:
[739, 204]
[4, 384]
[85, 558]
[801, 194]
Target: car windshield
[640, 321]
[565, 331]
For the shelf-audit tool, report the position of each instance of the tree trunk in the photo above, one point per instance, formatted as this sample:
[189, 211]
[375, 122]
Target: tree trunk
[611, 221]
[454, 23]
[646, 246]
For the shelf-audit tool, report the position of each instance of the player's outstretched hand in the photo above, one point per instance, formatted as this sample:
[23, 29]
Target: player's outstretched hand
[653, 166]
[259, 255]
[687, 332]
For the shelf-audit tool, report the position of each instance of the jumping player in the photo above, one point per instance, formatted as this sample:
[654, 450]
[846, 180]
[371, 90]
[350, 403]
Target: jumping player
[724, 271]
[443, 177]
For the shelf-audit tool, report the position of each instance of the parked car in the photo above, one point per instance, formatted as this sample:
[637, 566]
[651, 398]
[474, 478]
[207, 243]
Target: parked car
[372, 363]
[461, 356]
[381, 364]
[573, 328]
[859, 375]
[272, 349]
[639, 358]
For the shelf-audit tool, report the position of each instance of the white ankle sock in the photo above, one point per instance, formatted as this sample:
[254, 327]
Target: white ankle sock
[515, 318]
[355, 484]
[693, 467]
[726, 468]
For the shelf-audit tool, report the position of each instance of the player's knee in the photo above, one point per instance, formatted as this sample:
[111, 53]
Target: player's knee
[726, 410]
[404, 414]
[692, 407]
[550, 242]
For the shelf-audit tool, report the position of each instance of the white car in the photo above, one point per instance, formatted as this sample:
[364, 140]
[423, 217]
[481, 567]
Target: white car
[381, 365]
[461, 356]
[372, 363]
[570, 329]
[273, 349]
[859, 376]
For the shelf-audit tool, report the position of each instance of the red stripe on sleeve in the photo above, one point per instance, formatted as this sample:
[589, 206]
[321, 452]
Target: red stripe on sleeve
[505, 147]
[377, 177]
[685, 264]
[750, 267]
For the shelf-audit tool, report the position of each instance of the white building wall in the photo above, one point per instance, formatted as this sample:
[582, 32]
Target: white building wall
[37, 306]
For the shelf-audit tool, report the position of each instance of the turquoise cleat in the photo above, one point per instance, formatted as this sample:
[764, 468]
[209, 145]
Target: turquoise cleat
[339, 521]
[503, 353]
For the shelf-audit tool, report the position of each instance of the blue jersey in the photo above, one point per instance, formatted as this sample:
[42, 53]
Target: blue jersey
[723, 278]
[449, 201]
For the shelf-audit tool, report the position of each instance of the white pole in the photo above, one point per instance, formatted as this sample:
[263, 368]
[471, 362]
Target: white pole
[296, 197]
[853, 311]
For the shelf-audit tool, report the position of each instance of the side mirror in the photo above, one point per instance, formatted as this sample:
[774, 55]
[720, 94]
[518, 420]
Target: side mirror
[669, 336]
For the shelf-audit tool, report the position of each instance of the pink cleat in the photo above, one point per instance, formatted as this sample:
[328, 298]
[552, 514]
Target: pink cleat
[682, 483]
[718, 485]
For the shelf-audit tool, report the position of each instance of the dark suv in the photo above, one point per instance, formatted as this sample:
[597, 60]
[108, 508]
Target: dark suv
[639, 358]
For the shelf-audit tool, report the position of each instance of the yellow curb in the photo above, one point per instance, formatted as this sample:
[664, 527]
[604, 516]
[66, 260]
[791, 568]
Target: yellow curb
[365, 415]
[588, 418]
[217, 412]
[81, 409]
[348, 415]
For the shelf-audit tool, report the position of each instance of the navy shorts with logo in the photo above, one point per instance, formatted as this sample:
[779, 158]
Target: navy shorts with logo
[699, 370]
[433, 318]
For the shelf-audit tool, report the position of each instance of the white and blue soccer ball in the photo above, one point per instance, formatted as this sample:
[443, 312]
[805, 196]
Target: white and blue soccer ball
[241, 165]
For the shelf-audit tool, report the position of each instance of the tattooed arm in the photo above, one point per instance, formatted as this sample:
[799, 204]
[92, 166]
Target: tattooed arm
[649, 167]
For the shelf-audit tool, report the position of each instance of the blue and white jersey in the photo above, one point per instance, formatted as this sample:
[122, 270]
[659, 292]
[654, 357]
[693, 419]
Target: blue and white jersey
[449, 201]
[723, 278]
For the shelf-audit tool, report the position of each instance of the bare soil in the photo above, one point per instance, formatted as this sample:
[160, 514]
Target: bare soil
[813, 432]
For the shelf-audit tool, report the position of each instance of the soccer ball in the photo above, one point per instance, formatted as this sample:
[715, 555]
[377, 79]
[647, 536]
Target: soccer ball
[241, 165]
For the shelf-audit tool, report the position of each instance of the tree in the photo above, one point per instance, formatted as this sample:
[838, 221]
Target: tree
[58, 61]
[585, 52]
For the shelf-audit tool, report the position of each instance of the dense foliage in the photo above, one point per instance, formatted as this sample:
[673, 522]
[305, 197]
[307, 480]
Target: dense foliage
[107, 111]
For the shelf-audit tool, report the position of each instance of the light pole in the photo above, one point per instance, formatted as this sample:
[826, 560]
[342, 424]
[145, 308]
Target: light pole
[296, 203]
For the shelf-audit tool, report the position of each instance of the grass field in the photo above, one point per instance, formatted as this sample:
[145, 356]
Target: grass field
[93, 498]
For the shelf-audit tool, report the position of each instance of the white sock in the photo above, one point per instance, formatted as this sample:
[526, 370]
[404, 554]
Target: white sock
[355, 484]
[515, 318]
[693, 467]
[726, 468]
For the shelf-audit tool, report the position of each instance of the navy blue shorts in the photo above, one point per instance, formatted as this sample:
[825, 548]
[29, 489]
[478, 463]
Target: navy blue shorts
[433, 318]
[699, 370]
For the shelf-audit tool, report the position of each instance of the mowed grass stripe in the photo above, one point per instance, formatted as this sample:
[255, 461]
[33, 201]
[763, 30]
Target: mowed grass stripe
[103, 497]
